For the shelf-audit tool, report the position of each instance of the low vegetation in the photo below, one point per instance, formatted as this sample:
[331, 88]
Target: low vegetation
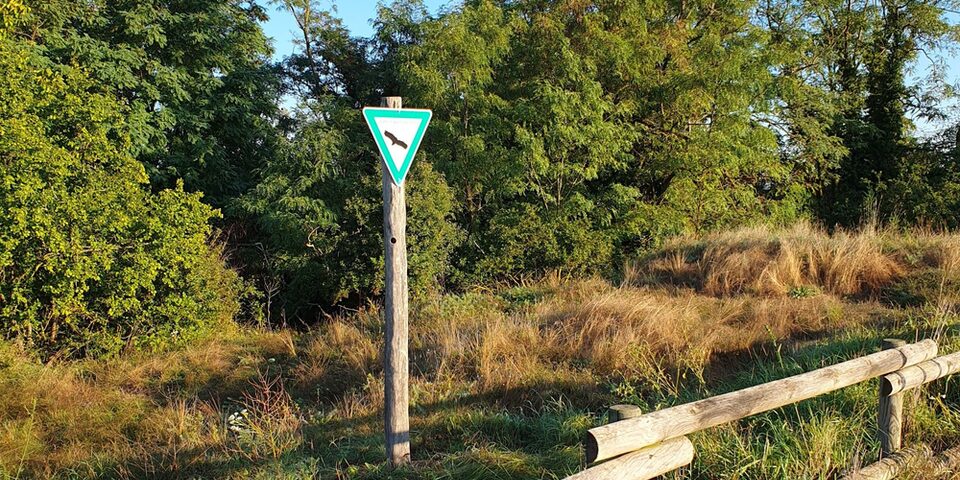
[506, 381]
[174, 197]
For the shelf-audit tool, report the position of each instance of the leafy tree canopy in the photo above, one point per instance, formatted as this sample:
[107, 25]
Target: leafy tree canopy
[195, 76]
[90, 261]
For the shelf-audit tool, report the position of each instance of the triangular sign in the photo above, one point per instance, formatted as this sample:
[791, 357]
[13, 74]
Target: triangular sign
[398, 133]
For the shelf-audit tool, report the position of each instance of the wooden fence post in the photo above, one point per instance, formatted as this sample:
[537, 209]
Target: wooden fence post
[622, 412]
[890, 412]
[642, 464]
[396, 415]
[615, 439]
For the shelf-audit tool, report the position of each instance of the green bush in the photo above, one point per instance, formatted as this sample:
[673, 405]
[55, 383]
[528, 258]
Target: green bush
[90, 261]
[319, 211]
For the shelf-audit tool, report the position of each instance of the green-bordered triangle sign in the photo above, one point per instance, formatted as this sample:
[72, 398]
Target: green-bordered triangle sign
[398, 133]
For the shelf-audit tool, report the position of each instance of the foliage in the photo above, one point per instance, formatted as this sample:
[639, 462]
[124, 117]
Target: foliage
[195, 75]
[572, 136]
[90, 262]
[864, 51]
[568, 136]
[926, 189]
[319, 209]
[573, 133]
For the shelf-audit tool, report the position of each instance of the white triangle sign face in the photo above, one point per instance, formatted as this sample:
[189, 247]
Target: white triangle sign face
[397, 133]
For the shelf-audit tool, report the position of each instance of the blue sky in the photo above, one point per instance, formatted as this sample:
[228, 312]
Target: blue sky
[356, 14]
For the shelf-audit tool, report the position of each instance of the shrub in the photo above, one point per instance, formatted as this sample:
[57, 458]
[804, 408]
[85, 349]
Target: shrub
[90, 261]
[319, 211]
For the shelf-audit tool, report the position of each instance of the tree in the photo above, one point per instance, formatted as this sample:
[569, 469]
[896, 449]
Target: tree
[91, 262]
[318, 208]
[196, 76]
[867, 48]
[927, 184]
[575, 134]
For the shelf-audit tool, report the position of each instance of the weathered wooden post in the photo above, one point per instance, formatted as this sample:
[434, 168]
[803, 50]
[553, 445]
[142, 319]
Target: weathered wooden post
[397, 133]
[623, 412]
[617, 438]
[642, 464]
[890, 411]
[396, 398]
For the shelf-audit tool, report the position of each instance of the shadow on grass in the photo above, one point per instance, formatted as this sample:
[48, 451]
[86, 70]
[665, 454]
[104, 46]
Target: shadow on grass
[476, 433]
[534, 430]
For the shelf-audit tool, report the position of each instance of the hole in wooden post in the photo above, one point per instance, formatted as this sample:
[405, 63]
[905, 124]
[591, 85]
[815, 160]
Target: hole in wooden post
[393, 239]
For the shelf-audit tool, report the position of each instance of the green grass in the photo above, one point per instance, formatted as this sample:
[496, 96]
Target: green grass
[504, 385]
[458, 433]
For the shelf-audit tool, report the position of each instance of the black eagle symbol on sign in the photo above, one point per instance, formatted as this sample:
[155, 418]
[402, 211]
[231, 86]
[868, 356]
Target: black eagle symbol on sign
[396, 141]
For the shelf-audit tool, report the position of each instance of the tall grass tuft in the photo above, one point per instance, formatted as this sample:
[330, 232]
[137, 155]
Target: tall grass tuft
[266, 424]
[766, 261]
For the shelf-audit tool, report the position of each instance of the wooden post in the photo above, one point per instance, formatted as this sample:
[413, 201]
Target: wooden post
[643, 464]
[919, 374]
[890, 466]
[890, 412]
[622, 412]
[625, 436]
[396, 400]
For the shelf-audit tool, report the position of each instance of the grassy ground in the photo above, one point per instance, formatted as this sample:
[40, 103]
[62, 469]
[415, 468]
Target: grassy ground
[506, 381]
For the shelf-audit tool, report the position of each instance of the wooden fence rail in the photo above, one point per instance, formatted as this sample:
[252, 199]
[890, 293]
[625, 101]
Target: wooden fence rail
[934, 466]
[919, 374]
[642, 447]
[647, 462]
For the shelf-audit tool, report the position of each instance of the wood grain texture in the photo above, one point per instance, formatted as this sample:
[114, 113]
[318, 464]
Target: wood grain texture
[918, 459]
[615, 439]
[890, 412]
[643, 464]
[889, 467]
[948, 461]
[919, 374]
[396, 417]
[623, 412]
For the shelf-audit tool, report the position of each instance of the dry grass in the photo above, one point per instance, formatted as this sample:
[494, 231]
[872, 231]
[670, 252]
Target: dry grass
[334, 360]
[592, 328]
[136, 416]
[54, 417]
[766, 261]
[685, 329]
[266, 423]
[525, 348]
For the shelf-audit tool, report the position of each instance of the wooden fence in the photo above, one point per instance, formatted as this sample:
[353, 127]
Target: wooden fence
[640, 447]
